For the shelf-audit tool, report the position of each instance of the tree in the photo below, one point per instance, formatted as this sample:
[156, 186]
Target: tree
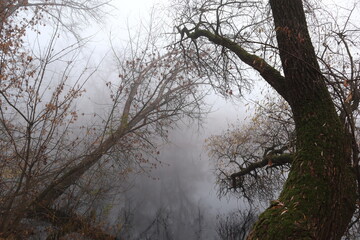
[49, 144]
[235, 225]
[318, 197]
[152, 94]
[253, 159]
[19, 16]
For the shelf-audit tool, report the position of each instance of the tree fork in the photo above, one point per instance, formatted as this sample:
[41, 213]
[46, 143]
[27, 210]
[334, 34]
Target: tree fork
[318, 199]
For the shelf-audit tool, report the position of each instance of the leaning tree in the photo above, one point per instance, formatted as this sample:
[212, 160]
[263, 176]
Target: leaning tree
[51, 146]
[320, 84]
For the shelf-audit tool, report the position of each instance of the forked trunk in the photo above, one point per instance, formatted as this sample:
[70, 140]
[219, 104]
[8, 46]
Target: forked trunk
[318, 199]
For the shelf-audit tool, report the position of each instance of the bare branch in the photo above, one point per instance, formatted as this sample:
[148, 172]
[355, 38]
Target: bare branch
[272, 76]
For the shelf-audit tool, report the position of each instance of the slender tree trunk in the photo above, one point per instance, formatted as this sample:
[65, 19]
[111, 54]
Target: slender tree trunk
[318, 199]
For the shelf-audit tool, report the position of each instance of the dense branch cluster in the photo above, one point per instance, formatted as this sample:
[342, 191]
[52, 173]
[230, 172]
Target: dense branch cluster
[255, 157]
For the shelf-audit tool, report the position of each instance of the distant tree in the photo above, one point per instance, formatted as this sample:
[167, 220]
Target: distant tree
[165, 208]
[160, 227]
[199, 223]
[321, 88]
[235, 225]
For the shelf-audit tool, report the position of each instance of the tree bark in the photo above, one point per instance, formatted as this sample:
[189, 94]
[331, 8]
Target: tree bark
[318, 199]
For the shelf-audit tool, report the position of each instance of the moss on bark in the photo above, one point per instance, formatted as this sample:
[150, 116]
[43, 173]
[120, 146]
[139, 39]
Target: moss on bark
[318, 199]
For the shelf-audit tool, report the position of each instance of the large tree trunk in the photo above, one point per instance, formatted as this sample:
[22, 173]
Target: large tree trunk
[318, 198]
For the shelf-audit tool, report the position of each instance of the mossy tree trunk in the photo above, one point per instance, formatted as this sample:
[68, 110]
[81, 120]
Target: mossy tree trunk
[318, 199]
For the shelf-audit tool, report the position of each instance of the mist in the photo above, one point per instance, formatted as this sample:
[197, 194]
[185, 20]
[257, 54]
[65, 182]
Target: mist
[119, 122]
[179, 199]
[157, 183]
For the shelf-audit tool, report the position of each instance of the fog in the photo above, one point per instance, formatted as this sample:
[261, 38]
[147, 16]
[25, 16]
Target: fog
[181, 194]
[178, 198]
[131, 167]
